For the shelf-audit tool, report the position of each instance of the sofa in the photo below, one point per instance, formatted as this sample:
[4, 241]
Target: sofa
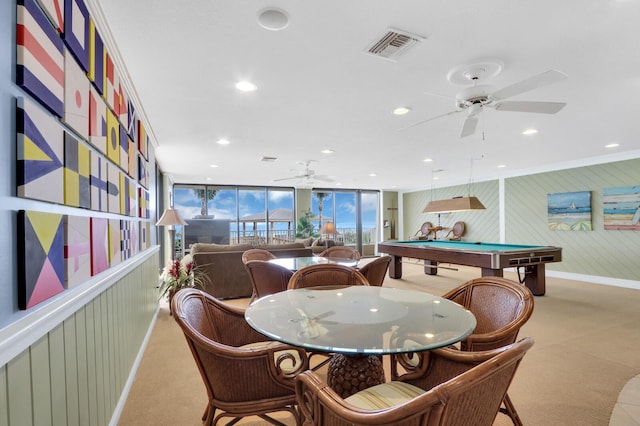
[318, 245]
[218, 268]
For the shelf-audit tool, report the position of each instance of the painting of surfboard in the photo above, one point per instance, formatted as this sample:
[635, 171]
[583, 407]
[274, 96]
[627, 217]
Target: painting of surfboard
[622, 208]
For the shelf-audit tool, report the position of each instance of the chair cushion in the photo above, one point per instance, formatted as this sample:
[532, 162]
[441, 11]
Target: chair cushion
[287, 365]
[384, 395]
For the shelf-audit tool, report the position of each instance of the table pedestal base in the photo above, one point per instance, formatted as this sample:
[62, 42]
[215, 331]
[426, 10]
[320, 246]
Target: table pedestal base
[349, 374]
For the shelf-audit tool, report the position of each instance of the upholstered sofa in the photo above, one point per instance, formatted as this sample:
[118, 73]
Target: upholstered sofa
[318, 245]
[219, 270]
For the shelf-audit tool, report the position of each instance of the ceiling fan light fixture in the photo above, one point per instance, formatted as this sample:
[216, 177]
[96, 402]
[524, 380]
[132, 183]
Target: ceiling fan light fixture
[456, 204]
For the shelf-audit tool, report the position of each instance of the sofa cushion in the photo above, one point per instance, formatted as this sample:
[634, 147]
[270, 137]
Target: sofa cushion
[214, 248]
[306, 241]
[280, 246]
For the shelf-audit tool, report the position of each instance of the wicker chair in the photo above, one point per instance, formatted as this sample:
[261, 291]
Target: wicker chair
[456, 232]
[244, 375]
[455, 388]
[326, 274]
[501, 308]
[266, 277]
[423, 233]
[343, 252]
[257, 254]
[376, 270]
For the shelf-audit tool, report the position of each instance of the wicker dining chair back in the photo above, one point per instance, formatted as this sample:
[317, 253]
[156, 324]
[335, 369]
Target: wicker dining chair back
[326, 274]
[376, 270]
[343, 252]
[241, 381]
[257, 254]
[267, 278]
[456, 389]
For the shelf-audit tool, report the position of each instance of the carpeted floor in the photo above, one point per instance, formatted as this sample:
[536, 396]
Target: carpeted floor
[587, 348]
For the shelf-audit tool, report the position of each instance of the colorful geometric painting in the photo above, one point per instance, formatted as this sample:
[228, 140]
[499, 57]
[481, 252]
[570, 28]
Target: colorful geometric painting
[124, 148]
[99, 245]
[124, 194]
[145, 234]
[40, 257]
[622, 208]
[113, 138]
[143, 203]
[76, 31]
[77, 250]
[98, 182]
[132, 122]
[76, 96]
[569, 211]
[115, 254]
[133, 198]
[143, 171]
[143, 142]
[97, 121]
[122, 103]
[39, 57]
[111, 82]
[96, 58]
[40, 152]
[77, 173]
[132, 169]
[128, 238]
[55, 12]
[113, 188]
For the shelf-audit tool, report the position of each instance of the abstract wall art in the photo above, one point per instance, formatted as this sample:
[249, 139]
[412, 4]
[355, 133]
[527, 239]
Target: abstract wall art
[98, 182]
[40, 257]
[77, 173]
[76, 96]
[99, 245]
[115, 252]
[145, 235]
[569, 211]
[39, 57]
[143, 203]
[113, 138]
[622, 208]
[124, 148]
[77, 250]
[111, 82]
[76, 31]
[54, 10]
[113, 188]
[96, 58]
[97, 121]
[40, 154]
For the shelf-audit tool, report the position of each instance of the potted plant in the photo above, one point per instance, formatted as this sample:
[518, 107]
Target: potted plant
[175, 276]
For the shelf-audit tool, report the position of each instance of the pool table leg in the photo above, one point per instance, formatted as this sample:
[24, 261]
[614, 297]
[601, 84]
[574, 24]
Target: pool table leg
[395, 267]
[431, 267]
[534, 279]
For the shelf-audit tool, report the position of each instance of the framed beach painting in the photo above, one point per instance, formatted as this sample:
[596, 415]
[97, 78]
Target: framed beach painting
[569, 211]
[622, 208]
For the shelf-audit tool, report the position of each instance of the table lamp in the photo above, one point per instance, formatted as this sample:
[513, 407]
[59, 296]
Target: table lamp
[328, 229]
[171, 218]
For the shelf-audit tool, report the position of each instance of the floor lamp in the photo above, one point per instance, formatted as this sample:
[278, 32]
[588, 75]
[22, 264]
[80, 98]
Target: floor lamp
[171, 218]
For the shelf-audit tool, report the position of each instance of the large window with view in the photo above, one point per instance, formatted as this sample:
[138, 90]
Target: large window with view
[355, 214]
[234, 215]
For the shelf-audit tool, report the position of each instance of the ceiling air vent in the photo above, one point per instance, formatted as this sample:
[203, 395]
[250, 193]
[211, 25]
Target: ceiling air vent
[393, 44]
[269, 159]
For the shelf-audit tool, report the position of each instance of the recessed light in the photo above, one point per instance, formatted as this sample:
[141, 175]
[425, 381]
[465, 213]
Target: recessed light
[401, 110]
[502, 166]
[246, 86]
[327, 151]
[530, 132]
[612, 145]
[428, 160]
[213, 166]
[223, 142]
[273, 19]
[373, 174]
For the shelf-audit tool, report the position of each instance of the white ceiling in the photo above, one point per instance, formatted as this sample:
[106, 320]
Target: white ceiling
[317, 89]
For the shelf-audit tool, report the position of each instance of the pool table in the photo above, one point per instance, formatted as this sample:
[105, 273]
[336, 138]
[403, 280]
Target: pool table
[491, 257]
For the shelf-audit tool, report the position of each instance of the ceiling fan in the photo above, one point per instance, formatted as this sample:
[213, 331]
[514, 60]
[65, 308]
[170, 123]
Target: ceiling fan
[474, 99]
[306, 176]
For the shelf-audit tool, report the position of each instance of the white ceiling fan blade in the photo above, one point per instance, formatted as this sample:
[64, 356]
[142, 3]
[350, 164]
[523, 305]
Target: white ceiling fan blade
[544, 79]
[289, 178]
[530, 106]
[469, 126]
[429, 119]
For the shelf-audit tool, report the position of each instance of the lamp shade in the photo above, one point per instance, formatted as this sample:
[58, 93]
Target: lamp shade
[328, 228]
[454, 205]
[170, 217]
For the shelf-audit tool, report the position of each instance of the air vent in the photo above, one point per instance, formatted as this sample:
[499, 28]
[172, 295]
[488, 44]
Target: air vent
[393, 44]
[268, 159]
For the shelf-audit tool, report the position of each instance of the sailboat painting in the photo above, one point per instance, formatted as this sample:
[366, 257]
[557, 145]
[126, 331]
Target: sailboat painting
[569, 211]
[622, 208]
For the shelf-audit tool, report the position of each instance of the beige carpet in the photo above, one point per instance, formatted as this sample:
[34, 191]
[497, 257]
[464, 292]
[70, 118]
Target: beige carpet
[587, 347]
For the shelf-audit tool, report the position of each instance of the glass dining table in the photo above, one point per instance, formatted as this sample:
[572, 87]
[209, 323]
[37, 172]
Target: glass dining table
[358, 324]
[297, 263]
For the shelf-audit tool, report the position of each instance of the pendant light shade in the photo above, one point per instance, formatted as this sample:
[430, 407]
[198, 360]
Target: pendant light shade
[454, 205]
